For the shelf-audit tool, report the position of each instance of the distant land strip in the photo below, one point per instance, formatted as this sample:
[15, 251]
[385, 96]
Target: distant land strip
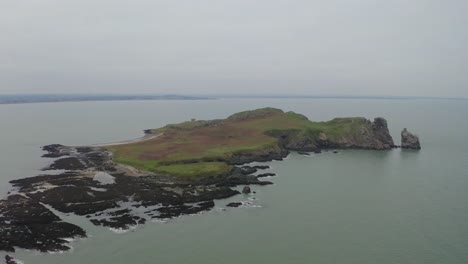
[296, 96]
[51, 98]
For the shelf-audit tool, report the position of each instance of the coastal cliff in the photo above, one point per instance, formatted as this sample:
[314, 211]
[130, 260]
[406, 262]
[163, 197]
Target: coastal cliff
[363, 134]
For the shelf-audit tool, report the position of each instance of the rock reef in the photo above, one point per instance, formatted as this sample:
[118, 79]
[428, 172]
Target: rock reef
[130, 200]
[26, 223]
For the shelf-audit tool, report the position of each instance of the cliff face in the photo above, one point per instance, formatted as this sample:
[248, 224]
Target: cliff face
[381, 133]
[409, 140]
[358, 133]
[368, 135]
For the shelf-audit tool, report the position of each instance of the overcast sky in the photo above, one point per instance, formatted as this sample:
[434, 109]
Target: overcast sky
[315, 47]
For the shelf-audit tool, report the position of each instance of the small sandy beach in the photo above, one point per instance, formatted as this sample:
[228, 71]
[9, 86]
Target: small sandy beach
[142, 139]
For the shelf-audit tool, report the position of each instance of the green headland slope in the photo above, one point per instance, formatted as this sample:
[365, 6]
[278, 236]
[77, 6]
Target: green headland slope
[198, 148]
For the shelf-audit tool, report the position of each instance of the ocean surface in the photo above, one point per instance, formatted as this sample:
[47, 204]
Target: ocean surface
[363, 207]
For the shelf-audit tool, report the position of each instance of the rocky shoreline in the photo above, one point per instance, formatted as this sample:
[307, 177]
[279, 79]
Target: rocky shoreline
[131, 199]
[119, 196]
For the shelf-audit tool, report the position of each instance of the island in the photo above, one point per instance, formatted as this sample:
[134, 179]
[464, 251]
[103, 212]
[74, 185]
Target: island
[175, 170]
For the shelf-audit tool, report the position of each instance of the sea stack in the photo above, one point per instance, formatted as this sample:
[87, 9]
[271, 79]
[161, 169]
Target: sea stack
[409, 140]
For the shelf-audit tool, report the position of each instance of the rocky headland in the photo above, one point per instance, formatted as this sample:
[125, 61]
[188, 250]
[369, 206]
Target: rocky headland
[181, 172]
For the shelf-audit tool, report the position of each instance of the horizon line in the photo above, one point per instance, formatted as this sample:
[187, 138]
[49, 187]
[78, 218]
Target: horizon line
[236, 95]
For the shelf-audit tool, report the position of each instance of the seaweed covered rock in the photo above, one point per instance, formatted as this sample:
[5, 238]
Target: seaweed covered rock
[26, 223]
[234, 204]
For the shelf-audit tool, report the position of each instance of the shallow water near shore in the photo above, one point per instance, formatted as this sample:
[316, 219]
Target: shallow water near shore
[350, 207]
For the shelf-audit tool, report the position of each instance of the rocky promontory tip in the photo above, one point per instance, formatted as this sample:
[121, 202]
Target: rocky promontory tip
[409, 140]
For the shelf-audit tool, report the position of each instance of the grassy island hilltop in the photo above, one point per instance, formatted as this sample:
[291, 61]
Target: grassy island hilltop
[197, 149]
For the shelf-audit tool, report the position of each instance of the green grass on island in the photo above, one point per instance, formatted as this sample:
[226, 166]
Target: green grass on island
[198, 149]
[194, 171]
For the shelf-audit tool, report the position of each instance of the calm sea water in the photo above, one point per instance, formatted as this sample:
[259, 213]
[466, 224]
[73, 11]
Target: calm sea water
[362, 207]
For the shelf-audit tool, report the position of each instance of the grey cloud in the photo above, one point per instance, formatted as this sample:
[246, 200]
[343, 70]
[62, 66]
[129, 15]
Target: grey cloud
[360, 47]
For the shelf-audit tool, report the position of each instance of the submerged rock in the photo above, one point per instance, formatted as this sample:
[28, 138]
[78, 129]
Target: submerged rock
[409, 140]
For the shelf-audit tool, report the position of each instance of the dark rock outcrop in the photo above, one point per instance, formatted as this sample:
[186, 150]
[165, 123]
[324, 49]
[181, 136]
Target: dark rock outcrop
[234, 204]
[10, 260]
[238, 179]
[246, 170]
[261, 167]
[368, 135]
[69, 163]
[409, 140]
[269, 174]
[26, 223]
[252, 169]
[262, 155]
[54, 151]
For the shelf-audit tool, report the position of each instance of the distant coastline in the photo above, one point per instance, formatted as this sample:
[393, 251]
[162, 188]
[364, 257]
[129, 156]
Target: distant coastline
[52, 98]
